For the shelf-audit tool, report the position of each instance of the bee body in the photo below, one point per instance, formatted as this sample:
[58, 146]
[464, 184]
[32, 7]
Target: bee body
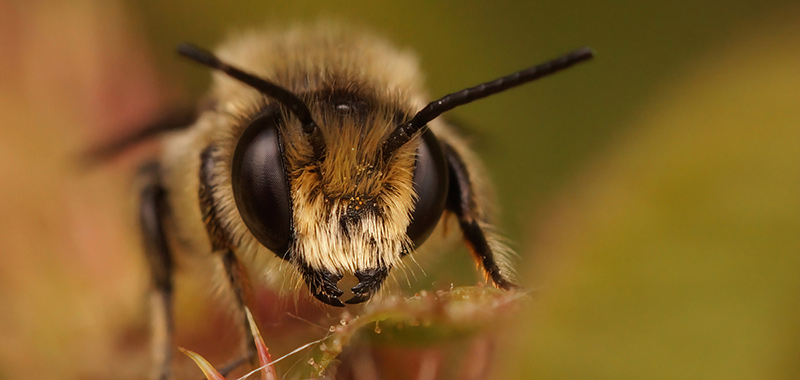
[316, 155]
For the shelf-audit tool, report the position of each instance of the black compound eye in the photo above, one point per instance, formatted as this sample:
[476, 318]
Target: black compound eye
[430, 184]
[260, 185]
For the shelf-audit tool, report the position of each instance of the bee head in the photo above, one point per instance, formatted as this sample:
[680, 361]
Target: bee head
[338, 207]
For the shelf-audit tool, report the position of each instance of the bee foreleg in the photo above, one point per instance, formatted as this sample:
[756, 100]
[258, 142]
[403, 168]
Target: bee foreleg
[235, 274]
[461, 200]
[152, 212]
[240, 287]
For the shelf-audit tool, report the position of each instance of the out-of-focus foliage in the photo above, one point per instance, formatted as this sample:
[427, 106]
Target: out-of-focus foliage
[677, 254]
[652, 194]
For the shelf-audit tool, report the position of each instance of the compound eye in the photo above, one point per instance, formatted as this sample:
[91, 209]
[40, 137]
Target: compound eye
[430, 185]
[260, 184]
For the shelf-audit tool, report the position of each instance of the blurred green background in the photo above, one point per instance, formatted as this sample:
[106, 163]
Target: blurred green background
[653, 194]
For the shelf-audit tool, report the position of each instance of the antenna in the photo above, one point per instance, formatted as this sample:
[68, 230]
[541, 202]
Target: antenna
[282, 95]
[406, 131]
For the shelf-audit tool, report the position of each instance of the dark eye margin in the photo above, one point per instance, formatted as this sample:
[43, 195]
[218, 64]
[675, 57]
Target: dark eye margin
[431, 181]
[260, 183]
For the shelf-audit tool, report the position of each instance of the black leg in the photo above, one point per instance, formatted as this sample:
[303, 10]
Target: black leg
[461, 201]
[237, 279]
[235, 274]
[152, 212]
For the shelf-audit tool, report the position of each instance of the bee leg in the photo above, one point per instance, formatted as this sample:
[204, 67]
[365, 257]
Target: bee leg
[221, 243]
[461, 200]
[237, 279]
[235, 274]
[152, 212]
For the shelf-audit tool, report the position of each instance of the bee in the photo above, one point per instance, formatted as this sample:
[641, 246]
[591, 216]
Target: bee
[316, 155]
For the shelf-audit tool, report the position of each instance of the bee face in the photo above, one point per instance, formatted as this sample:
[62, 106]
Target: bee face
[348, 210]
